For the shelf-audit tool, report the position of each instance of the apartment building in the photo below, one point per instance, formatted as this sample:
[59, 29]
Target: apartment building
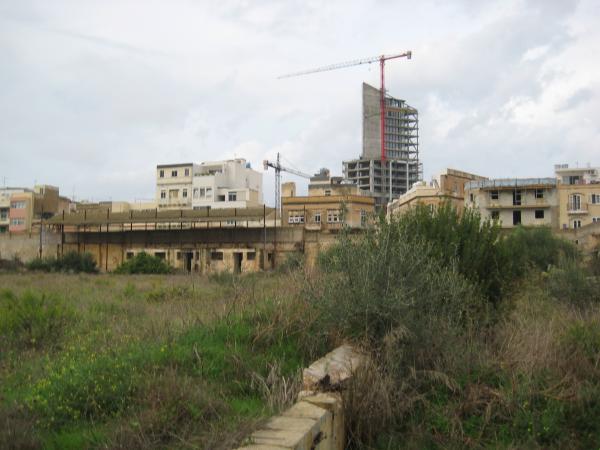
[6, 194]
[401, 167]
[331, 203]
[217, 184]
[446, 187]
[579, 196]
[22, 208]
[513, 202]
[226, 184]
[174, 185]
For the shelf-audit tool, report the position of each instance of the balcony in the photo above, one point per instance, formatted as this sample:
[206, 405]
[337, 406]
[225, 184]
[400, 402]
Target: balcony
[577, 208]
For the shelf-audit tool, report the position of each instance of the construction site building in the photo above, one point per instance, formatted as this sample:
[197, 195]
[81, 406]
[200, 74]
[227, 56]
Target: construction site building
[370, 172]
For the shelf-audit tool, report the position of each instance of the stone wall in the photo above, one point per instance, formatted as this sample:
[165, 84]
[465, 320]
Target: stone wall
[316, 421]
[26, 246]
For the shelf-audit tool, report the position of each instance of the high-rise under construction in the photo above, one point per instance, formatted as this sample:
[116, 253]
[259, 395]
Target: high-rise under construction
[372, 172]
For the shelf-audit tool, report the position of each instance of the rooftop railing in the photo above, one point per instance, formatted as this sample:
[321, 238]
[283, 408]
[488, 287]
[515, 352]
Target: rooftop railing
[511, 182]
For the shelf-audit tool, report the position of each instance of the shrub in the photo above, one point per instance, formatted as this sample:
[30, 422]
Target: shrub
[464, 240]
[595, 261]
[144, 263]
[70, 262]
[84, 386]
[388, 279]
[293, 261]
[571, 283]
[536, 247]
[33, 319]
[11, 265]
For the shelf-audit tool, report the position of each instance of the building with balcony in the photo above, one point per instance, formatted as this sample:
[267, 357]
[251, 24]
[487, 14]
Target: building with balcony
[218, 184]
[579, 196]
[331, 204]
[226, 184]
[446, 187]
[174, 185]
[513, 202]
[401, 167]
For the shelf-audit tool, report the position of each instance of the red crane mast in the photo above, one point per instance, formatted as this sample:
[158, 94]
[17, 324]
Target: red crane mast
[382, 59]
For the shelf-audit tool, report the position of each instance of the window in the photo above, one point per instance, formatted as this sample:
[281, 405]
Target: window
[317, 217]
[173, 193]
[195, 192]
[163, 194]
[161, 173]
[363, 217]
[220, 198]
[216, 256]
[517, 198]
[3, 214]
[577, 224]
[161, 255]
[575, 202]
[596, 219]
[327, 192]
[178, 256]
[173, 173]
[539, 213]
[539, 193]
[495, 215]
[185, 193]
[208, 192]
[17, 205]
[333, 215]
[250, 256]
[494, 195]
[471, 198]
[296, 217]
[17, 221]
[187, 172]
[595, 199]
[202, 192]
[232, 196]
[129, 255]
[516, 218]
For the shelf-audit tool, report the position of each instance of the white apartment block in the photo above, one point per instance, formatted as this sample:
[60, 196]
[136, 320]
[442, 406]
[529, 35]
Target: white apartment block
[216, 184]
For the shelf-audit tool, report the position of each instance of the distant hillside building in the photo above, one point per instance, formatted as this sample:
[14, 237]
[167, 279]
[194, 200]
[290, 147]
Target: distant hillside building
[218, 184]
[369, 172]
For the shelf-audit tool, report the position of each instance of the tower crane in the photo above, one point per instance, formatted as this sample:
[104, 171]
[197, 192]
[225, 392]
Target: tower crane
[357, 62]
[278, 169]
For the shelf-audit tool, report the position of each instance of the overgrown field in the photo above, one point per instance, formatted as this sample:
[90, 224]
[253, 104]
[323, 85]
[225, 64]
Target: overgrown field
[110, 361]
[474, 340]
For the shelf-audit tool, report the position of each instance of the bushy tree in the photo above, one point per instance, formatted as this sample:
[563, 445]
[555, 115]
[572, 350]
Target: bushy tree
[536, 247]
[465, 240]
[386, 279]
[70, 262]
[144, 263]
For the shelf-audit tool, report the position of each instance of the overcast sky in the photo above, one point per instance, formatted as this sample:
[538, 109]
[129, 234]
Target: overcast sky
[95, 94]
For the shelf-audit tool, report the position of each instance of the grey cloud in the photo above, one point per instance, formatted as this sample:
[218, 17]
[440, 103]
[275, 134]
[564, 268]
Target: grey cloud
[581, 96]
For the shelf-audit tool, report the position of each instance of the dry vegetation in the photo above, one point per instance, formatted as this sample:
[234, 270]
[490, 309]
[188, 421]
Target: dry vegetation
[110, 361]
[476, 341]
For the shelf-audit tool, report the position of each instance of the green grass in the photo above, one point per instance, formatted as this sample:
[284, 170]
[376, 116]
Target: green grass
[145, 362]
